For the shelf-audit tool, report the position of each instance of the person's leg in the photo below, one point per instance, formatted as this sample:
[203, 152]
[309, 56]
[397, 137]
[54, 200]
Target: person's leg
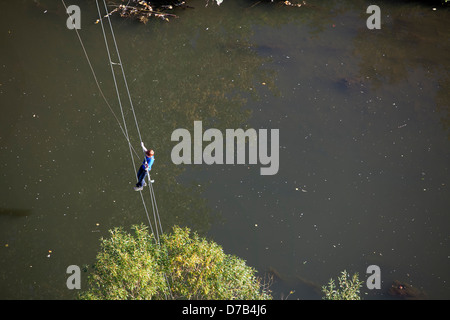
[141, 176]
[143, 183]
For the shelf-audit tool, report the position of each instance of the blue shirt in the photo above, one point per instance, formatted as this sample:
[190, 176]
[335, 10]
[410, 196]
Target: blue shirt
[148, 162]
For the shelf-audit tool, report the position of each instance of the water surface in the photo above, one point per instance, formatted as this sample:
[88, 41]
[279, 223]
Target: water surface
[364, 150]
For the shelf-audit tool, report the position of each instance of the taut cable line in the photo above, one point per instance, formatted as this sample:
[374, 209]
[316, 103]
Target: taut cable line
[120, 104]
[123, 127]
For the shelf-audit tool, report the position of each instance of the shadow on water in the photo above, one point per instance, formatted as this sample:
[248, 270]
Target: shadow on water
[15, 213]
[293, 287]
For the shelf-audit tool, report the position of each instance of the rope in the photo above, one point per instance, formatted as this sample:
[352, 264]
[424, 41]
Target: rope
[150, 185]
[117, 89]
[152, 195]
[124, 129]
[120, 104]
[98, 85]
[121, 67]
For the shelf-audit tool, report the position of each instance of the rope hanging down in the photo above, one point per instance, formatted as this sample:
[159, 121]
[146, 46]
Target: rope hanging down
[123, 128]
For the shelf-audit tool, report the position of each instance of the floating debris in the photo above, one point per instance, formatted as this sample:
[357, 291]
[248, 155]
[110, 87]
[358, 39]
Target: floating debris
[144, 10]
[405, 291]
[287, 3]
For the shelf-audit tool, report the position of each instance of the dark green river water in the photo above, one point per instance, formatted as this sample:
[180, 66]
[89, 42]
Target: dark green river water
[364, 151]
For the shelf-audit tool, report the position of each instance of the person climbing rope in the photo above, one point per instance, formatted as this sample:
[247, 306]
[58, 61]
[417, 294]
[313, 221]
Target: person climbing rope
[144, 168]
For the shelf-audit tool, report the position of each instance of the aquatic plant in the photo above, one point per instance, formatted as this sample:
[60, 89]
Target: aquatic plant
[348, 288]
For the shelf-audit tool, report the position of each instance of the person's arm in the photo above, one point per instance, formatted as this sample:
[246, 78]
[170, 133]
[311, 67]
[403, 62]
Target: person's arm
[143, 147]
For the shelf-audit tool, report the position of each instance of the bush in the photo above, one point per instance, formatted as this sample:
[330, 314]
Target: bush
[348, 288]
[182, 266]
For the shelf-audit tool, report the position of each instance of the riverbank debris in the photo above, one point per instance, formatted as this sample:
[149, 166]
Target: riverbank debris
[287, 3]
[144, 10]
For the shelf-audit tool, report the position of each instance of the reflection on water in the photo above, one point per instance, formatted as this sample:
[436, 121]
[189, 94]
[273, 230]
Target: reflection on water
[363, 119]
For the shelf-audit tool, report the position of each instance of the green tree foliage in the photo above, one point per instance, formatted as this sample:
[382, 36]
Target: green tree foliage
[182, 266]
[348, 288]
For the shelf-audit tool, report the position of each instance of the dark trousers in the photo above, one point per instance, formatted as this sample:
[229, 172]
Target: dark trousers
[141, 176]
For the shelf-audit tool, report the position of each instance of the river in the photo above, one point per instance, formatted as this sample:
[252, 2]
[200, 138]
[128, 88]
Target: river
[363, 118]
